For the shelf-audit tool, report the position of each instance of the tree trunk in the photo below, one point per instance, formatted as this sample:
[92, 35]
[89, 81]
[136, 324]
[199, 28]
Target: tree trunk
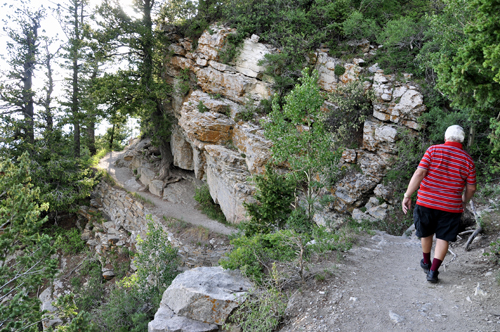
[91, 136]
[111, 139]
[74, 98]
[49, 119]
[29, 67]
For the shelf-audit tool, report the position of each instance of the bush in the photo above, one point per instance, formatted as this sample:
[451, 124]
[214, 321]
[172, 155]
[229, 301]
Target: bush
[353, 106]
[125, 310]
[274, 195]
[252, 254]
[70, 241]
[208, 207]
[261, 310]
[156, 262]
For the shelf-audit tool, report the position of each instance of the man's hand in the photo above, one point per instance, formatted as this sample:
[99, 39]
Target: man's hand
[406, 204]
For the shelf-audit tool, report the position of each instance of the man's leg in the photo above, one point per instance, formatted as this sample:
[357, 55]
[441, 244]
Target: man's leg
[439, 253]
[426, 248]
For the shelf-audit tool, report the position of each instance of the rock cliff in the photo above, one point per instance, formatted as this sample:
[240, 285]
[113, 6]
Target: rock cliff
[211, 139]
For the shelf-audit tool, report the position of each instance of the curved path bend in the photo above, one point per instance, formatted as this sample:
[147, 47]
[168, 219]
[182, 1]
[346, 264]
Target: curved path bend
[184, 207]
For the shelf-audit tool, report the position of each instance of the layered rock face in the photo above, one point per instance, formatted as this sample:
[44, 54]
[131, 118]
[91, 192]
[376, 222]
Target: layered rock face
[210, 139]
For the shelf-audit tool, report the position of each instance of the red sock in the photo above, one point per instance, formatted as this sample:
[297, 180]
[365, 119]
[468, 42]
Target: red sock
[436, 263]
[427, 257]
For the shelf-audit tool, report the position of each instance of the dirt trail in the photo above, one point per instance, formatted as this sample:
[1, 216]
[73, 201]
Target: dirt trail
[379, 286]
[184, 206]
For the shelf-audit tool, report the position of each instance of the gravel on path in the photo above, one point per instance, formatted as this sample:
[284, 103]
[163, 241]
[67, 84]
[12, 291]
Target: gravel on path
[379, 286]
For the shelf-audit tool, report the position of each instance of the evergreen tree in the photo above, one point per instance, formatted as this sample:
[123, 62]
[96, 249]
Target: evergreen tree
[16, 89]
[138, 89]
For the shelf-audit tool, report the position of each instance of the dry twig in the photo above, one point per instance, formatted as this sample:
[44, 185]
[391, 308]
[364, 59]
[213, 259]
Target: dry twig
[478, 230]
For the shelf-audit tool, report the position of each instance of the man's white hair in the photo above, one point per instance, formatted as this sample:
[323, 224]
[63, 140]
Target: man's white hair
[454, 133]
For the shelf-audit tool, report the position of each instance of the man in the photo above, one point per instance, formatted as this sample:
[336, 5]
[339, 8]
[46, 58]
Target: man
[443, 173]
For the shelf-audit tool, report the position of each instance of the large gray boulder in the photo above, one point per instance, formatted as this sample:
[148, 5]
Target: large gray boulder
[166, 321]
[206, 294]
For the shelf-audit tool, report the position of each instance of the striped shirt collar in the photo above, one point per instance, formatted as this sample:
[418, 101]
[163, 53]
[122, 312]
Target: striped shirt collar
[455, 144]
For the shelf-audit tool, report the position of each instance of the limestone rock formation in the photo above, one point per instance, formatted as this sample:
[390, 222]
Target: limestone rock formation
[200, 299]
[227, 177]
[210, 140]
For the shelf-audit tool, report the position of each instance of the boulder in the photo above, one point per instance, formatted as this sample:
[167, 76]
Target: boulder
[250, 140]
[166, 321]
[383, 192]
[325, 66]
[352, 72]
[48, 296]
[397, 102]
[350, 190]
[227, 177]
[206, 294]
[360, 216]
[147, 176]
[378, 212]
[156, 188]
[349, 156]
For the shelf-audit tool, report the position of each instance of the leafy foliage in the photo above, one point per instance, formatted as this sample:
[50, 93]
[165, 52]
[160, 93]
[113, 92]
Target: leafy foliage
[352, 107]
[274, 195]
[262, 310]
[20, 224]
[299, 135]
[252, 254]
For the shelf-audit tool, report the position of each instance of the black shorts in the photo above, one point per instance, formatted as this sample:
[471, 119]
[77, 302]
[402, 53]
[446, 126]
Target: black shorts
[431, 221]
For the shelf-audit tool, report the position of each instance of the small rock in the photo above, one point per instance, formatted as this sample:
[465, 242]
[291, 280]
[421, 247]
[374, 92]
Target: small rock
[479, 291]
[395, 317]
[108, 274]
[488, 274]
[254, 38]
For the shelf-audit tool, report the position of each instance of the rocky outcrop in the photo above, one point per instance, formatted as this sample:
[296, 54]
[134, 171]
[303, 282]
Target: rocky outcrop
[227, 178]
[200, 299]
[223, 151]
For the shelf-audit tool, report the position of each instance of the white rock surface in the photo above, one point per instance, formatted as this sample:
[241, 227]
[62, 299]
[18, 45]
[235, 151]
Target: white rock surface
[227, 177]
[206, 294]
[166, 321]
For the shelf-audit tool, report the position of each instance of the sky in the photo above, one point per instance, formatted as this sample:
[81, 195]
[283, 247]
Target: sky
[53, 29]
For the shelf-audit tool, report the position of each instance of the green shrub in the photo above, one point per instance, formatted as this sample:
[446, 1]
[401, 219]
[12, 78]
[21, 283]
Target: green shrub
[70, 241]
[339, 70]
[251, 255]
[156, 262]
[208, 207]
[125, 310]
[274, 196]
[91, 295]
[202, 108]
[261, 310]
[353, 106]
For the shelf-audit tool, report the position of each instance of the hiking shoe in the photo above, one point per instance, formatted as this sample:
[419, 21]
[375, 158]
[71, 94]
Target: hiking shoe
[432, 276]
[426, 267]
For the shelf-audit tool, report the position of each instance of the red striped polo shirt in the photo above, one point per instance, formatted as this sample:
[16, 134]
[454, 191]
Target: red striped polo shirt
[449, 168]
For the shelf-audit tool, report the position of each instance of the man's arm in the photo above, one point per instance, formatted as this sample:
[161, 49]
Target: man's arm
[415, 181]
[470, 189]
